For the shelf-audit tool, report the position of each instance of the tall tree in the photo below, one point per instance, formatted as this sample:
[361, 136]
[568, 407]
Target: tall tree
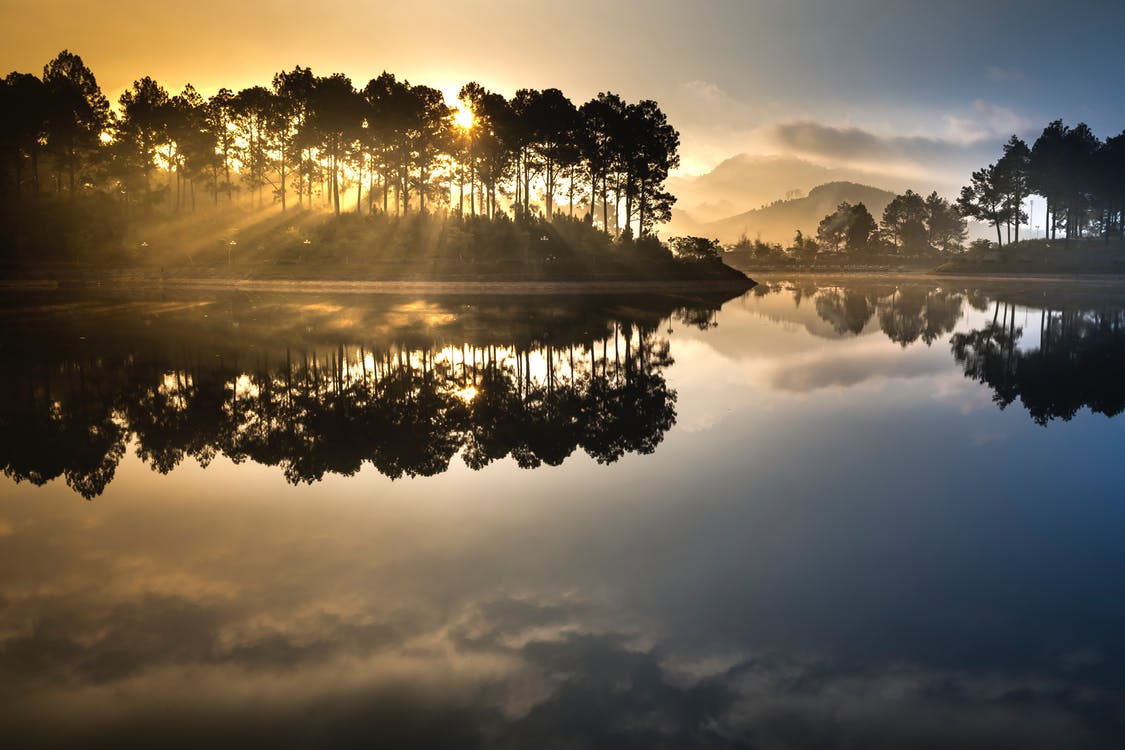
[985, 199]
[945, 227]
[1045, 171]
[255, 117]
[143, 128]
[187, 131]
[603, 121]
[650, 150]
[1110, 185]
[293, 96]
[24, 102]
[219, 118]
[550, 121]
[336, 116]
[904, 222]
[1012, 176]
[1078, 149]
[428, 132]
[78, 115]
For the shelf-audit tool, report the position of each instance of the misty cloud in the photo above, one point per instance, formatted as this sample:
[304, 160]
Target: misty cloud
[847, 370]
[853, 144]
[986, 122]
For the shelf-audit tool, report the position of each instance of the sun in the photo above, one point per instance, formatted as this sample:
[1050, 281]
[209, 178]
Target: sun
[463, 118]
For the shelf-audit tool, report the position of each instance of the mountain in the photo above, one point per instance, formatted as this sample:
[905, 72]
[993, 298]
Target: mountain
[743, 181]
[778, 221]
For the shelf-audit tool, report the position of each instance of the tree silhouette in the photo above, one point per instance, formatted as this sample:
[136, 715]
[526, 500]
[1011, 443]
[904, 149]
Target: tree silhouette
[25, 101]
[77, 115]
[904, 222]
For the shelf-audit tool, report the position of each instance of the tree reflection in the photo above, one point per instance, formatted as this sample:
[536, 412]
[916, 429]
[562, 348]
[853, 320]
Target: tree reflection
[1080, 362]
[62, 422]
[906, 313]
[846, 310]
[407, 410]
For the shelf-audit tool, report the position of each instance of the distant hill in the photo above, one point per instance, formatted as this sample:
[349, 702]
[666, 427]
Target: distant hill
[778, 221]
[748, 181]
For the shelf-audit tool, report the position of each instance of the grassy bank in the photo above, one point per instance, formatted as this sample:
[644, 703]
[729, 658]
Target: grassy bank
[309, 245]
[1054, 257]
[1094, 257]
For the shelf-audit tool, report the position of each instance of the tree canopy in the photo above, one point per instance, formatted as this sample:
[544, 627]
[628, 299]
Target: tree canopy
[395, 146]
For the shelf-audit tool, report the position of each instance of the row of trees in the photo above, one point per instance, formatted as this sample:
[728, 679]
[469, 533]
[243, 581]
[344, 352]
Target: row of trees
[1080, 178]
[314, 139]
[910, 224]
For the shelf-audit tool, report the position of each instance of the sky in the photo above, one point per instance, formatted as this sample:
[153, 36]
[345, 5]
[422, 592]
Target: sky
[915, 90]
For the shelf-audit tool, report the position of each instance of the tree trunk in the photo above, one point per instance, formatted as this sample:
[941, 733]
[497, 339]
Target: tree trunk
[70, 170]
[629, 205]
[281, 177]
[336, 184]
[35, 170]
[605, 205]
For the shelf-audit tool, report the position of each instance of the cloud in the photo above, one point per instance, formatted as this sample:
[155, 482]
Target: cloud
[859, 365]
[850, 143]
[967, 140]
[985, 122]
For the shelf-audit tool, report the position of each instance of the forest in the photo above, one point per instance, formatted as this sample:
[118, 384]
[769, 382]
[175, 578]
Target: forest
[80, 176]
[911, 226]
[1078, 178]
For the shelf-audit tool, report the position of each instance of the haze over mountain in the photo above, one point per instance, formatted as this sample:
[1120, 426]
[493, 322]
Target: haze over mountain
[778, 221]
[745, 181]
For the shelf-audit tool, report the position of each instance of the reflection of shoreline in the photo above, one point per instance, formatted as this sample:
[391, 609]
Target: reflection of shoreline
[1079, 355]
[408, 408]
[1079, 362]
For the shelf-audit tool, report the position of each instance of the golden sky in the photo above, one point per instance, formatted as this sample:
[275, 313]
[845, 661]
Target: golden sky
[914, 89]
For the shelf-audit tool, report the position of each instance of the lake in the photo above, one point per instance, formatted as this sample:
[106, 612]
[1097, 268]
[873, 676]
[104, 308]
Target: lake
[828, 513]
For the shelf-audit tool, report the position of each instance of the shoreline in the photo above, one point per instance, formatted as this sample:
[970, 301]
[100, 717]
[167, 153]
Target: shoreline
[391, 287]
[930, 274]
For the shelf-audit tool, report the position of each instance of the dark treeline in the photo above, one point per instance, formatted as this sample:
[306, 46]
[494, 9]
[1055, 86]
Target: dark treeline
[404, 388]
[321, 141]
[1080, 177]
[911, 226]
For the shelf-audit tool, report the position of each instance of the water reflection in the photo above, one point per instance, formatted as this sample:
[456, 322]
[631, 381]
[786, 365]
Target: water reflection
[1075, 360]
[320, 388]
[1079, 362]
[592, 380]
[819, 553]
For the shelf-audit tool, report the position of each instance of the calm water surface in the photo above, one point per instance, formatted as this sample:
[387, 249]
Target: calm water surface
[853, 514]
